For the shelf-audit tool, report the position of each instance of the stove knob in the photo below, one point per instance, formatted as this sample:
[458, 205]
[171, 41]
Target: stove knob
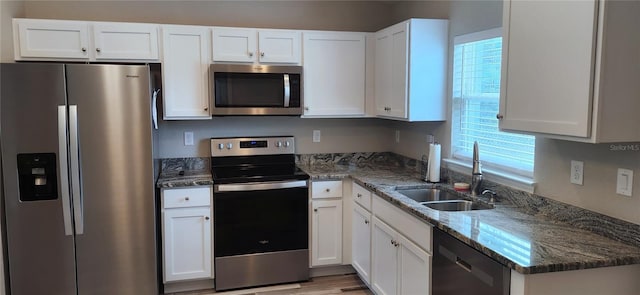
[221, 146]
[286, 144]
[229, 146]
[278, 144]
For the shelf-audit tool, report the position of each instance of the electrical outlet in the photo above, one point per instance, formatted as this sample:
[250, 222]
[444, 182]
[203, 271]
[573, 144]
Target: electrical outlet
[316, 135]
[397, 136]
[188, 138]
[624, 183]
[431, 138]
[577, 168]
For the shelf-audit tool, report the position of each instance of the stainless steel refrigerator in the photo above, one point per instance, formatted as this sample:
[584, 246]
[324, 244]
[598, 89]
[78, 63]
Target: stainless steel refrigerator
[77, 170]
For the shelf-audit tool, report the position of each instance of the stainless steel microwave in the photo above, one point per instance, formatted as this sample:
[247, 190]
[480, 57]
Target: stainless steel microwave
[255, 90]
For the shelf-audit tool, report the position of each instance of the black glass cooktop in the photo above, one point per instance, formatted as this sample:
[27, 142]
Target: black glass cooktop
[255, 169]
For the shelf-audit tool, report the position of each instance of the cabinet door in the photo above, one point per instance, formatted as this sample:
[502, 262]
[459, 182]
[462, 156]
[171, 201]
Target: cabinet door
[334, 74]
[391, 71]
[279, 46]
[414, 268]
[234, 45]
[361, 242]
[548, 66]
[51, 39]
[326, 232]
[383, 91]
[125, 41]
[185, 64]
[399, 62]
[187, 243]
[384, 258]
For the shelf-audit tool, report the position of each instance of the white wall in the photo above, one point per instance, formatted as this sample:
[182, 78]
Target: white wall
[8, 10]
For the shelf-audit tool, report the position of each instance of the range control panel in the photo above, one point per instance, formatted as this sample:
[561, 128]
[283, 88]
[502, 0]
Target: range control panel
[252, 146]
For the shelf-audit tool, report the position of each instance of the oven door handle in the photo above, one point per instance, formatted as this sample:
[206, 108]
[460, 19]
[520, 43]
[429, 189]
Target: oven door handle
[261, 186]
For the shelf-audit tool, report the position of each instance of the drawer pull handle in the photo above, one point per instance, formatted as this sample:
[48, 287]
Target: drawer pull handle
[328, 190]
[186, 198]
[315, 210]
[206, 218]
[366, 221]
[359, 195]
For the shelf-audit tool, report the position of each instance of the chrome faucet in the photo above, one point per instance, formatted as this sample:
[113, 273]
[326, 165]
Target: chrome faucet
[476, 172]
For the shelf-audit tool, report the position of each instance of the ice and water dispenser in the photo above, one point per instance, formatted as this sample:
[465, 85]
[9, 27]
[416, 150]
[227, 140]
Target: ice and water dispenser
[37, 177]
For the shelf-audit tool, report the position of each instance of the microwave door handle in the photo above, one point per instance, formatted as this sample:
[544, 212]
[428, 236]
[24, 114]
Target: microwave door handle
[287, 91]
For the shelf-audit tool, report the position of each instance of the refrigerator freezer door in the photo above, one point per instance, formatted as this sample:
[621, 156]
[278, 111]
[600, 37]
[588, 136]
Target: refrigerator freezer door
[116, 253]
[40, 255]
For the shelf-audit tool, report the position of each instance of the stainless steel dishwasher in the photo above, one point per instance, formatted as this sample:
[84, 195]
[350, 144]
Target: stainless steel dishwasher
[461, 270]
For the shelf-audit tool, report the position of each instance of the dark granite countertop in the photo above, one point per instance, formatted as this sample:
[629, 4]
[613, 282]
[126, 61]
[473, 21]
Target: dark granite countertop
[527, 239]
[523, 239]
[172, 178]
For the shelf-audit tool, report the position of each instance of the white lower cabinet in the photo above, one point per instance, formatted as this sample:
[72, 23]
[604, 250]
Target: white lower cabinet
[187, 234]
[400, 251]
[414, 268]
[399, 266]
[361, 242]
[385, 259]
[326, 222]
[326, 233]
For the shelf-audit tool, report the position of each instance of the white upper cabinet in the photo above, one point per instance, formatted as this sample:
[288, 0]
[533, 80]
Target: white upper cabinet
[410, 70]
[572, 80]
[35, 38]
[234, 45]
[185, 72]
[256, 45]
[38, 39]
[125, 41]
[334, 74]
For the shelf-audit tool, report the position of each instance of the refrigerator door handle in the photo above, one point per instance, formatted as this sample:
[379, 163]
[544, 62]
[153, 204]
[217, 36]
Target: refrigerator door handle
[76, 181]
[63, 167]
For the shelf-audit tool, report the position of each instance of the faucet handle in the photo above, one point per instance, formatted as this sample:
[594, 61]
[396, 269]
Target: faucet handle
[492, 193]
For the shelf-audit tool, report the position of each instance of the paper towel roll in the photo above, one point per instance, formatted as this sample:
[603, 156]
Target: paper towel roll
[433, 165]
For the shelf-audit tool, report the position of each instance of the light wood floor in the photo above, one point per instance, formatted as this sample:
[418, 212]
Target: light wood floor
[340, 284]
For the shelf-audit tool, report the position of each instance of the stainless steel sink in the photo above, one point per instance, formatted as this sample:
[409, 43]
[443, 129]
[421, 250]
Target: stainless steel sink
[428, 194]
[457, 205]
[442, 200]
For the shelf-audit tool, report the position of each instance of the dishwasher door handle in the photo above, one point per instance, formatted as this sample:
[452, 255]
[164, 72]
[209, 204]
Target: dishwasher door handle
[463, 264]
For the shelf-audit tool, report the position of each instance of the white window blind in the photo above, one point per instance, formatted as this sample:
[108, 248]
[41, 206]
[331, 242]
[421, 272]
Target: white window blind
[476, 94]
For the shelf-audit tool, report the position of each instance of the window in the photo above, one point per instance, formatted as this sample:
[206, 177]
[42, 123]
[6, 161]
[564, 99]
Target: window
[476, 94]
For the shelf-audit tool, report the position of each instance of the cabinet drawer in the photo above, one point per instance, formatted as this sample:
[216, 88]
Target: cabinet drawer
[186, 197]
[362, 196]
[326, 189]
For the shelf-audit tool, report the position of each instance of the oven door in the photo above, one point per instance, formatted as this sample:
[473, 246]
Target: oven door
[261, 217]
[261, 234]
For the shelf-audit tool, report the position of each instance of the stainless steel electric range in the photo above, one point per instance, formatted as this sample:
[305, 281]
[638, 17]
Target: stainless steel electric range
[260, 212]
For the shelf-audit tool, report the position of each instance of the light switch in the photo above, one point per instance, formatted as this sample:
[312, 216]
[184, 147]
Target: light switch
[624, 184]
[316, 135]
